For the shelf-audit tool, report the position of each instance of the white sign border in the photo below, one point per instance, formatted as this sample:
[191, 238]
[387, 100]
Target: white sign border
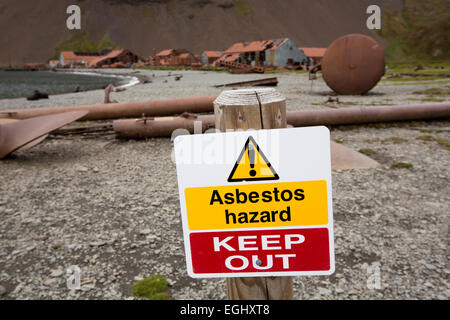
[329, 226]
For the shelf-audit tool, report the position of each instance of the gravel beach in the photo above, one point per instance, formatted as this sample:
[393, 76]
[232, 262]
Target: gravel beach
[111, 207]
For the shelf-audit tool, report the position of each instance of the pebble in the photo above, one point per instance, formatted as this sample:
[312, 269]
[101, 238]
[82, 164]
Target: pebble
[56, 273]
[145, 232]
[50, 282]
[324, 291]
[56, 245]
[97, 243]
[82, 169]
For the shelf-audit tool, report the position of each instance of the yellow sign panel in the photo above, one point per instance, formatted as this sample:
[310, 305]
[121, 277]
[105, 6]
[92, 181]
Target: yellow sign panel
[252, 165]
[257, 206]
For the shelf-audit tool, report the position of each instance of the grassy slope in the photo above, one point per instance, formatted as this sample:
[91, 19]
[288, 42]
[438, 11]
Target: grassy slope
[418, 33]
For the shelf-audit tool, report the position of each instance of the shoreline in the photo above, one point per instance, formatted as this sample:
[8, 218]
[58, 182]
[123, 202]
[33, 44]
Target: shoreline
[135, 78]
[127, 80]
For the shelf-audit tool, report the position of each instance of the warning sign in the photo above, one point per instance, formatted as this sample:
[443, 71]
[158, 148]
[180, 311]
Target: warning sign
[262, 250]
[252, 165]
[256, 203]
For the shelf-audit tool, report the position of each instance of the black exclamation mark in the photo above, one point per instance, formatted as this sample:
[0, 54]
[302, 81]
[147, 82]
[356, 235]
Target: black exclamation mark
[251, 158]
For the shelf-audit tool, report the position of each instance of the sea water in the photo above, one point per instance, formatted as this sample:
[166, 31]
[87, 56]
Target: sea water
[16, 84]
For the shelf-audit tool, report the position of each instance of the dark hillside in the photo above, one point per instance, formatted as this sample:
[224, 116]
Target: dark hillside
[32, 30]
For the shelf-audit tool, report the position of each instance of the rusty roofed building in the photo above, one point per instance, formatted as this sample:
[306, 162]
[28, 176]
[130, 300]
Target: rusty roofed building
[174, 57]
[279, 52]
[208, 58]
[315, 55]
[116, 58]
[70, 59]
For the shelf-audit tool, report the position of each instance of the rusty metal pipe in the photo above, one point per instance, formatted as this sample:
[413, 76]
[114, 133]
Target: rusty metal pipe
[368, 114]
[133, 109]
[164, 127]
[160, 127]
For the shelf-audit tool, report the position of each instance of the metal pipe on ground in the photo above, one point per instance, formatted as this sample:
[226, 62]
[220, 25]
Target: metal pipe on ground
[161, 127]
[135, 109]
[164, 127]
[374, 114]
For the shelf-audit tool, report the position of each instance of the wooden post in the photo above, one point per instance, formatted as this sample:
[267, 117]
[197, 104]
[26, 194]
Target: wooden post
[253, 109]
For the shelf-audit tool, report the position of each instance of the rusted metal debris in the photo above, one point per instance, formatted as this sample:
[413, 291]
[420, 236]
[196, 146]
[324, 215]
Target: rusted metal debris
[360, 115]
[164, 127]
[95, 129]
[353, 64]
[313, 71]
[25, 133]
[28, 145]
[237, 68]
[272, 82]
[133, 109]
[343, 158]
[108, 90]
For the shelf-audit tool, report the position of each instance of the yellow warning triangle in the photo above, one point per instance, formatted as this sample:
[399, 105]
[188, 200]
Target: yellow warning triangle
[252, 165]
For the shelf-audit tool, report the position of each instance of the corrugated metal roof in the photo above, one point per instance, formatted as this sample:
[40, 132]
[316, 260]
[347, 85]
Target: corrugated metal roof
[229, 57]
[277, 43]
[165, 53]
[69, 55]
[213, 54]
[314, 52]
[72, 57]
[254, 46]
[185, 55]
[112, 54]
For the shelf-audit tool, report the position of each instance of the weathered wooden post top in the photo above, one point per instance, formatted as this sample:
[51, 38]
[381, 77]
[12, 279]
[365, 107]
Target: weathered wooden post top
[260, 108]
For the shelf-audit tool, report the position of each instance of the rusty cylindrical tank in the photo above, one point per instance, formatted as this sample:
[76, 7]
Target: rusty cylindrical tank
[353, 64]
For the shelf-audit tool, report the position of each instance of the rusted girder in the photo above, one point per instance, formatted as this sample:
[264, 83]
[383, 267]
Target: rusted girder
[23, 134]
[132, 109]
